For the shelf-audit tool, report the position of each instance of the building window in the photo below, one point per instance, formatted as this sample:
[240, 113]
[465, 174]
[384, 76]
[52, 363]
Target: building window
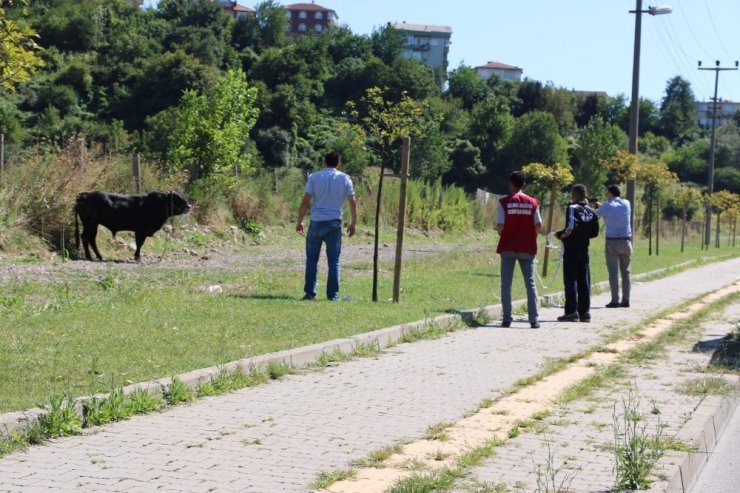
[302, 27]
[319, 15]
[289, 14]
[318, 28]
[303, 14]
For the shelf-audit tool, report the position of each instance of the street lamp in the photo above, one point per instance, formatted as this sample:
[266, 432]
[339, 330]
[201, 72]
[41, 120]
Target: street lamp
[635, 102]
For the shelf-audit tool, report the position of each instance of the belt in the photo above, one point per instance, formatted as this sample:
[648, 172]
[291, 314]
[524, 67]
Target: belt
[625, 238]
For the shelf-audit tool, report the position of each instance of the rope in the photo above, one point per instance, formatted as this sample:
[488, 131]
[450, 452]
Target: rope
[561, 251]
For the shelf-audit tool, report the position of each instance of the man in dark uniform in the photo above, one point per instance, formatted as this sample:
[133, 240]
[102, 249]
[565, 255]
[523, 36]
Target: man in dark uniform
[581, 224]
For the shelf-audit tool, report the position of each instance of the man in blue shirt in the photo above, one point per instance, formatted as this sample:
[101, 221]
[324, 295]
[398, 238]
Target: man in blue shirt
[616, 214]
[329, 188]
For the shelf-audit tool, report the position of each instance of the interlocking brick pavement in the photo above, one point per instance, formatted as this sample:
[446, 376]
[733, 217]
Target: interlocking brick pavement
[277, 437]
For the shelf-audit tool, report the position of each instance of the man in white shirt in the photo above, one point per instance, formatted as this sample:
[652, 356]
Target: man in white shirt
[328, 189]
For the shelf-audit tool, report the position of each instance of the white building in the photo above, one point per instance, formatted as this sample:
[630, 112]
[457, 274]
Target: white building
[506, 72]
[725, 112]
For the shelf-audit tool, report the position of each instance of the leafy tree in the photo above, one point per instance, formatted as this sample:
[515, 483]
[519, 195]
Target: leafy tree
[677, 110]
[727, 179]
[622, 166]
[387, 44]
[275, 145]
[213, 127]
[649, 118]
[723, 201]
[430, 153]
[653, 145]
[595, 144]
[467, 169]
[534, 139]
[689, 162]
[655, 177]
[466, 85]
[552, 178]
[491, 127]
[687, 197]
[18, 48]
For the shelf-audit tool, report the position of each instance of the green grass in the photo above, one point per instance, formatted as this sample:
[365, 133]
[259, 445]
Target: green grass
[88, 333]
[378, 457]
[327, 478]
[438, 431]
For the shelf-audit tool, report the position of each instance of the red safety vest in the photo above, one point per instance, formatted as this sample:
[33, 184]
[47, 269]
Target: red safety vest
[518, 235]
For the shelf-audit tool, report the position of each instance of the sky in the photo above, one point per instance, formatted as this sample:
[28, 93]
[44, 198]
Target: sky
[577, 44]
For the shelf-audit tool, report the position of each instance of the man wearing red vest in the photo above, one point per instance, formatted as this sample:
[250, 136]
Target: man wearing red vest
[519, 222]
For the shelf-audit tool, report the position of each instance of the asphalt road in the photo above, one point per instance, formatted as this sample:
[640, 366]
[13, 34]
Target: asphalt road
[722, 473]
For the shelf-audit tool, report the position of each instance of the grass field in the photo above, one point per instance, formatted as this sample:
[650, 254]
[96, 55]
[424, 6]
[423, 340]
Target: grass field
[90, 333]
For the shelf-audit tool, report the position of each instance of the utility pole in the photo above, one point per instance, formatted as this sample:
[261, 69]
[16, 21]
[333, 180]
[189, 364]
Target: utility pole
[635, 101]
[712, 147]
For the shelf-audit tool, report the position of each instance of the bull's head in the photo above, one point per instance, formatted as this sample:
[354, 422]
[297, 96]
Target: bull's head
[177, 204]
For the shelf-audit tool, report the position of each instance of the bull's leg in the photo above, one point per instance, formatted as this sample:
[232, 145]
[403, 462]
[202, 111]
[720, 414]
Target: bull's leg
[86, 230]
[140, 238]
[93, 243]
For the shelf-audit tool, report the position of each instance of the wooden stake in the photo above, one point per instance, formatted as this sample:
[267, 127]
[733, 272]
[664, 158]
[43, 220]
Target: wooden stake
[553, 192]
[2, 157]
[136, 168]
[405, 161]
[657, 226]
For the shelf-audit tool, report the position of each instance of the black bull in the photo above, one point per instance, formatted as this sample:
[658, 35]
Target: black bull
[142, 214]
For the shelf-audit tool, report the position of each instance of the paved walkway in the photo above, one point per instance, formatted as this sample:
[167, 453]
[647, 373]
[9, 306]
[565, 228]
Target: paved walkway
[277, 437]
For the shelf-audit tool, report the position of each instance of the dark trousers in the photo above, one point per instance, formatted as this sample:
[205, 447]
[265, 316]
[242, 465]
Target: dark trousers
[577, 278]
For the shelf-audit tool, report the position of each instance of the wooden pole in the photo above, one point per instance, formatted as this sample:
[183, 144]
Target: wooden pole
[136, 168]
[683, 228]
[377, 234]
[716, 240]
[657, 225]
[553, 192]
[2, 157]
[405, 161]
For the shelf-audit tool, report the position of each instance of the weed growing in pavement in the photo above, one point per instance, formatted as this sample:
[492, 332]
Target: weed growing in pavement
[441, 480]
[438, 431]
[336, 356]
[439, 456]
[476, 456]
[366, 350]
[703, 386]
[178, 392]
[413, 464]
[61, 420]
[635, 451]
[552, 479]
[327, 478]
[376, 458]
[142, 402]
[111, 408]
[482, 318]
[276, 371]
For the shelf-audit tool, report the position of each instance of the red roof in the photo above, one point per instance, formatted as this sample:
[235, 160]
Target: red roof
[308, 6]
[242, 8]
[500, 66]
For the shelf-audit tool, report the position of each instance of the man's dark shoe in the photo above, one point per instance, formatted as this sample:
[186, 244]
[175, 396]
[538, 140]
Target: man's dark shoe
[613, 304]
[308, 297]
[506, 325]
[573, 317]
[535, 325]
[624, 304]
[586, 317]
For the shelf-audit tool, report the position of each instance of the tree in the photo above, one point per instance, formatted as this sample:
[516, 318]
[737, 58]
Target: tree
[534, 139]
[553, 177]
[214, 127]
[723, 201]
[466, 85]
[686, 197]
[595, 144]
[622, 166]
[18, 48]
[727, 179]
[491, 126]
[386, 121]
[677, 110]
[467, 168]
[654, 177]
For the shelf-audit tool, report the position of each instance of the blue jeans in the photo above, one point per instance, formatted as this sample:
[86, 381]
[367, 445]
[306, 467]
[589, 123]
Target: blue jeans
[526, 263]
[329, 232]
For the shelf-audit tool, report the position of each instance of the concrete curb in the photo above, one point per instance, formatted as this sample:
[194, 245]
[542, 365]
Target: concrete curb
[702, 432]
[297, 358]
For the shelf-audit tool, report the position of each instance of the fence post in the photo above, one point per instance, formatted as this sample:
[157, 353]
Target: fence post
[136, 168]
[405, 162]
[2, 157]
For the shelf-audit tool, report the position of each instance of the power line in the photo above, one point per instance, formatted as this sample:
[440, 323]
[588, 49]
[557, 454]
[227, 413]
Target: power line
[666, 48]
[711, 19]
[675, 41]
[691, 30]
